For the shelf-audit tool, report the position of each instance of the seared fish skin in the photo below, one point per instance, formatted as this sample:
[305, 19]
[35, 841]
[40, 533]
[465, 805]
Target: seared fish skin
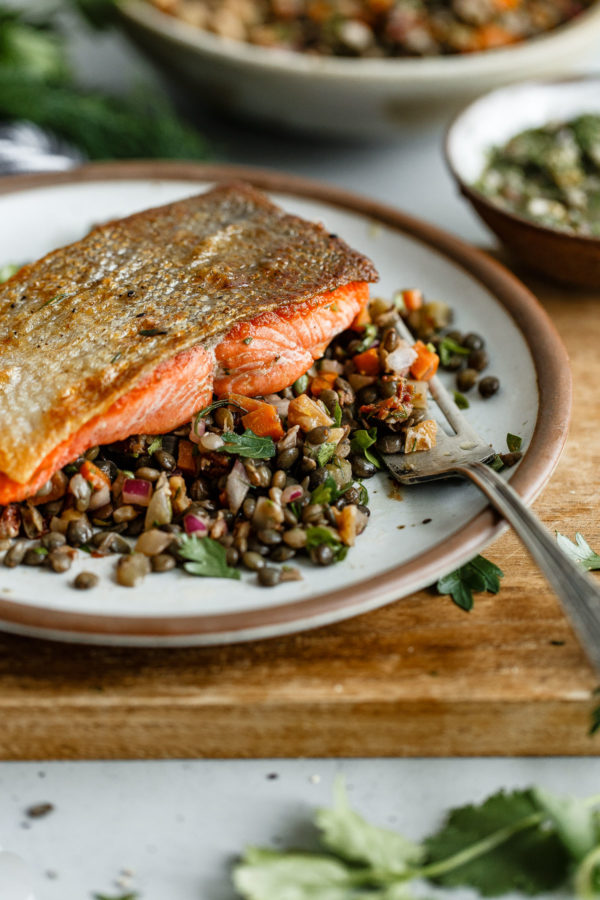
[83, 325]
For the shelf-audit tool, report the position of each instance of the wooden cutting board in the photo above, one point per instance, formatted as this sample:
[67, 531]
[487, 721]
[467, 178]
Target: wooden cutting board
[417, 678]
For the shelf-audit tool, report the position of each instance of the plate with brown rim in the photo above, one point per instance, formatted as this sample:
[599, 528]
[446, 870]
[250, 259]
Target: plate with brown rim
[413, 538]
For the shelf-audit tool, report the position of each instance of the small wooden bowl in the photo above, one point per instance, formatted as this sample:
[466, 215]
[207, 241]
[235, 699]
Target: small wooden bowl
[490, 121]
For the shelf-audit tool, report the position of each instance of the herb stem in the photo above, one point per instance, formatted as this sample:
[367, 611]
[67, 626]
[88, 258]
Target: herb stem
[584, 876]
[486, 844]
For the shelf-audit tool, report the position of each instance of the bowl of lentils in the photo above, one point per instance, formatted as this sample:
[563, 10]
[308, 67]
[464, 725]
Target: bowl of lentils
[527, 158]
[357, 68]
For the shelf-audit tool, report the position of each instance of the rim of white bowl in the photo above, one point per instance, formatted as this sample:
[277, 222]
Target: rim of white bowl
[571, 37]
[470, 191]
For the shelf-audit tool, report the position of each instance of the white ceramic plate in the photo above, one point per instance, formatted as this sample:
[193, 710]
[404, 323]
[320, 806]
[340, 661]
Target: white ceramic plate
[409, 543]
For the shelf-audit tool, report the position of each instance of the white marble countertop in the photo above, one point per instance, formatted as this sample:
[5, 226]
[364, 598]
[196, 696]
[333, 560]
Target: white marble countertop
[170, 829]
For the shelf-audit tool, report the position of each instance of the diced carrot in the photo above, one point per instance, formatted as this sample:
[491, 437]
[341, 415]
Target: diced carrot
[345, 520]
[413, 299]
[264, 422]
[367, 363]
[426, 364]
[94, 476]
[362, 320]
[486, 37]
[247, 403]
[186, 461]
[324, 381]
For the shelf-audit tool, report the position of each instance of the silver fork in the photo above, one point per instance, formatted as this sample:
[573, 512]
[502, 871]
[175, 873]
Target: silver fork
[464, 454]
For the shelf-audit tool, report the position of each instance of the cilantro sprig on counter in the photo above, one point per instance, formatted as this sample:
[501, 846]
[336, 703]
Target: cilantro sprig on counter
[579, 551]
[528, 840]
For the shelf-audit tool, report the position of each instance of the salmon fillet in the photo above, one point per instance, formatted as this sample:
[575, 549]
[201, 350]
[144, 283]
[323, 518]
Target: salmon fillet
[162, 401]
[272, 351]
[126, 324]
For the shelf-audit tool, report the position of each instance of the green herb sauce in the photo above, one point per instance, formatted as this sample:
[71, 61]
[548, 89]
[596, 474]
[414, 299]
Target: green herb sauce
[550, 175]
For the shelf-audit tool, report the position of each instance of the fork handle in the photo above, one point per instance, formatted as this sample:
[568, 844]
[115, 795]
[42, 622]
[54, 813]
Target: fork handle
[579, 596]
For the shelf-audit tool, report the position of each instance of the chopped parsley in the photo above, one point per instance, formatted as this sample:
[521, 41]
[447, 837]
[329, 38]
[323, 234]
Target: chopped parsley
[362, 440]
[248, 444]
[155, 445]
[448, 348]
[514, 442]
[206, 557]
[316, 535]
[460, 400]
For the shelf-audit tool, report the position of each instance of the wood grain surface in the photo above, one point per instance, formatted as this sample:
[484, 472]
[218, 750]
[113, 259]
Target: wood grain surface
[417, 678]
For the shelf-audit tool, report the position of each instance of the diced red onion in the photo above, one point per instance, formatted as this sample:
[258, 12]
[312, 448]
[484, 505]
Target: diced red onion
[197, 430]
[400, 359]
[193, 524]
[136, 490]
[291, 493]
[237, 486]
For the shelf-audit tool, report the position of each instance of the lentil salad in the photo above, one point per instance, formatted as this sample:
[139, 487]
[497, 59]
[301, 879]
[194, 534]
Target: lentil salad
[376, 28]
[255, 483]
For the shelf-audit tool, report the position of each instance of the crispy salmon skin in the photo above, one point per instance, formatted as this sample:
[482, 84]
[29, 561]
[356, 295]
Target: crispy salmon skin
[87, 323]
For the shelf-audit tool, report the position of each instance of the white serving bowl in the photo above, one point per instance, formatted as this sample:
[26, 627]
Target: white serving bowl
[359, 98]
[491, 121]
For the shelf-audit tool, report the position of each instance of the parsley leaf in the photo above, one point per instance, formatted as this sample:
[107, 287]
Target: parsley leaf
[460, 400]
[448, 348]
[325, 453]
[326, 492]
[362, 440]
[329, 492]
[318, 534]
[348, 835]
[337, 414]
[579, 552]
[514, 442]
[497, 463]
[248, 444]
[207, 558]
[503, 847]
[154, 446]
[478, 575]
